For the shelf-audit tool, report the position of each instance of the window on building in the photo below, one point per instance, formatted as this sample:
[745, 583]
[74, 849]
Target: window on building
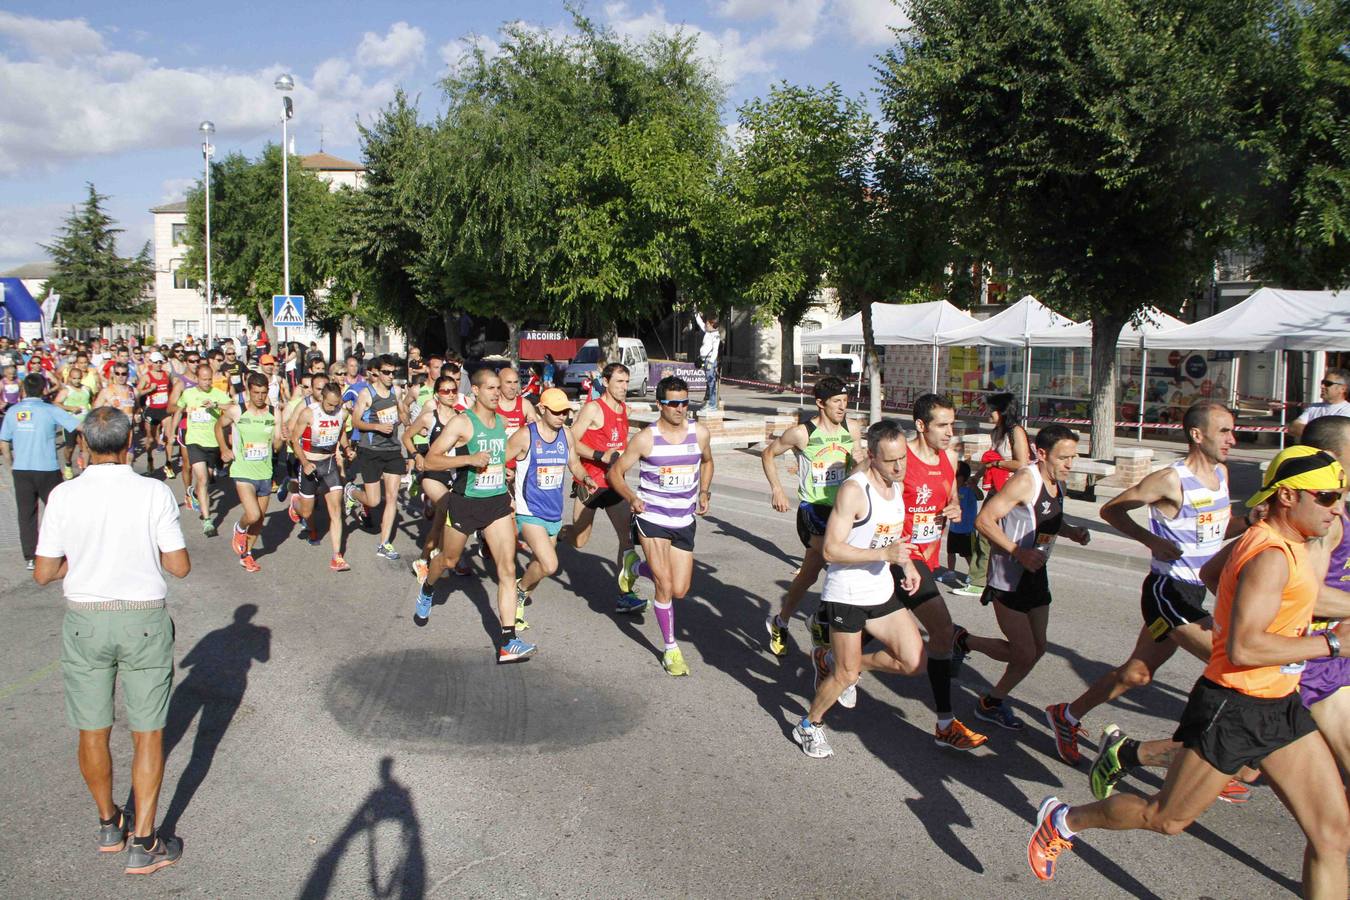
[180, 281]
[179, 233]
[183, 327]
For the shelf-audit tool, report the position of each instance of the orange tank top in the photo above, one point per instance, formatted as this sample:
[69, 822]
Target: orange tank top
[1291, 620]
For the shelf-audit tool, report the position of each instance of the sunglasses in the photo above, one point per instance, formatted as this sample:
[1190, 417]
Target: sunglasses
[1326, 499]
[674, 402]
[449, 393]
[1326, 383]
[120, 372]
[386, 371]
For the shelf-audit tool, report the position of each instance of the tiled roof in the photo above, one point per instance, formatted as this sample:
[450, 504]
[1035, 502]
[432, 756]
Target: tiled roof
[327, 162]
[177, 206]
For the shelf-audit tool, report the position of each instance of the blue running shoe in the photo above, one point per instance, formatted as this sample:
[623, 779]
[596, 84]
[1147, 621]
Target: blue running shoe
[386, 551]
[1000, 714]
[423, 610]
[514, 649]
[630, 604]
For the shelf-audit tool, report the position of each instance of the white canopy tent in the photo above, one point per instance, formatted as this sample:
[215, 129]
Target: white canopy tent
[1270, 320]
[1027, 323]
[897, 324]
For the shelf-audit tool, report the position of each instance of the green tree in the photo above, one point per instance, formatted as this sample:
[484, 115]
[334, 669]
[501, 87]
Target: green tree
[1085, 141]
[797, 173]
[98, 287]
[246, 235]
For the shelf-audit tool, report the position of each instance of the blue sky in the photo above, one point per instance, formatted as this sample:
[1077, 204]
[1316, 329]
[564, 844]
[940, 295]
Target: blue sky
[113, 92]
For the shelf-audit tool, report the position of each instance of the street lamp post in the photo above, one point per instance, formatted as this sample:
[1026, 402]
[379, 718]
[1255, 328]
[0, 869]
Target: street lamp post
[207, 129]
[285, 84]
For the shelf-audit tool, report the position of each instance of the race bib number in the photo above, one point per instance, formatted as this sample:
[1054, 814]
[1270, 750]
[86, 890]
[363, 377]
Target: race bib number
[200, 416]
[511, 429]
[1211, 525]
[1045, 543]
[826, 473]
[256, 452]
[678, 476]
[548, 477]
[491, 477]
[159, 398]
[327, 435]
[926, 528]
[387, 416]
[887, 533]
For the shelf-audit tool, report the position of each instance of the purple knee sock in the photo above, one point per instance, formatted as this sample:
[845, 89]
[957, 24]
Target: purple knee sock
[665, 617]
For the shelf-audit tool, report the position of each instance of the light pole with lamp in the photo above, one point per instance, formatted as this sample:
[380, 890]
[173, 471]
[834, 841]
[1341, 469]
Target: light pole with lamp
[285, 84]
[207, 129]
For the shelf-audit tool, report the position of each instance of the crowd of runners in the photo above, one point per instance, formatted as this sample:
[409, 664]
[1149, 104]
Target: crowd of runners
[479, 462]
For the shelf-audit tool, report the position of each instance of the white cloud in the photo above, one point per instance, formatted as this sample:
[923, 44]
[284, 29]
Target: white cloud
[458, 50]
[23, 228]
[869, 22]
[83, 100]
[403, 46]
[171, 189]
[731, 55]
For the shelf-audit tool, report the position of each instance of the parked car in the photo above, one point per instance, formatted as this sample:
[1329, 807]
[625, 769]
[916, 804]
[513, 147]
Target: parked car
[633, 354]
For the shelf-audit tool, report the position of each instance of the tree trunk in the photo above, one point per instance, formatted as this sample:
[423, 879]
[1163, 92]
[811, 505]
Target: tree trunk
[1105, 335]
[332, 344]
[451, 322]
[513, 342]
[609, 342]
[871, 363]
[787, 357]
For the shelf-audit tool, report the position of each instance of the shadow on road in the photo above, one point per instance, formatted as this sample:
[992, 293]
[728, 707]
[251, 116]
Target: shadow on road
[405, 876]
[214, 687]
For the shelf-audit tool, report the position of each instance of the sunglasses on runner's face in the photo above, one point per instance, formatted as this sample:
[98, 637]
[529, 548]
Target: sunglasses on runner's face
[120, 371]
[1323, 498]
[675, 402]
[1328, 383]
[387, 372]
[446, 392]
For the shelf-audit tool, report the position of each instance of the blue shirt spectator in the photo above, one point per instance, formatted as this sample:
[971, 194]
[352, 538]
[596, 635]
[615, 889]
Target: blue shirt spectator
[30, 428]
[970, 507]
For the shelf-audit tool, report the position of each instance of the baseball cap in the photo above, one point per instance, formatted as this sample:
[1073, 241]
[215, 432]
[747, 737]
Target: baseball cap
[266, 359]
[555, 400]
[1300, 468]
[157, 357]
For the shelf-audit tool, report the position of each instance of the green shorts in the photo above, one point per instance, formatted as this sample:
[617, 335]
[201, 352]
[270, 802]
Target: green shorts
[97, 646]
[552, 528]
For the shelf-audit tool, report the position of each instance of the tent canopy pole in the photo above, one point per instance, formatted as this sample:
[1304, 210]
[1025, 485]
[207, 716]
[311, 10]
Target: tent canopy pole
[1143, 384]
[1282, 372]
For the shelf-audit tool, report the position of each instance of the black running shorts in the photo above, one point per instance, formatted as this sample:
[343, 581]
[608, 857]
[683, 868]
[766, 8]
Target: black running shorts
[603, 499]
[323, 479]
[928, 588]
[373, 464]
[1230, 729]
[470, 514]
[680, 538]
[1167, 604]
[846, 618]
[156, 416]
[199, 454]
[1032, 592]
[811, 519]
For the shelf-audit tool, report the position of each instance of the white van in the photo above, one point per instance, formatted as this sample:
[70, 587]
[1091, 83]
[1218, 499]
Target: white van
[633, 354]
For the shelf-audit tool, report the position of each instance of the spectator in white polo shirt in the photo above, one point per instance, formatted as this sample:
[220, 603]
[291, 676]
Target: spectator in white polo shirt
[1335, 389]
[111, 534]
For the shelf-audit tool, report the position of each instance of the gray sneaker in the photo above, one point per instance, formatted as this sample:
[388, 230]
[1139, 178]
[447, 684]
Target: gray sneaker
[813, 741]
[165, 852]
[113, 837]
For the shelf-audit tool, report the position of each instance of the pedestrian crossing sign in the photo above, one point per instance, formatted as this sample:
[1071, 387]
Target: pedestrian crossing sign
[288, 312]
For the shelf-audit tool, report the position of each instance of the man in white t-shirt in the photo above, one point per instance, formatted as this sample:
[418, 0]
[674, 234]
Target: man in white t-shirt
[1334, 403]
[111, 534]
[707, 355]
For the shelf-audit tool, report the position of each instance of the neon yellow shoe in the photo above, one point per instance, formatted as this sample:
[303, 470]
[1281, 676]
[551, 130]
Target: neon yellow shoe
[673, 662]
[777, 636]
[628, 572]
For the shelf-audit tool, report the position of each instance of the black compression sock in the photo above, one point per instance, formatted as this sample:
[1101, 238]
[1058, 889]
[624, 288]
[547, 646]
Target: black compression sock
[940, 678]
[1128, 754]
[116, 815]
[508, 634]
[990, 701]
[147, 842]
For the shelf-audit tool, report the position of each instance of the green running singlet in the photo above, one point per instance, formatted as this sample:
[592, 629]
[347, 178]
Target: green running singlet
[823, 465]
[491, 481]
[253, 446]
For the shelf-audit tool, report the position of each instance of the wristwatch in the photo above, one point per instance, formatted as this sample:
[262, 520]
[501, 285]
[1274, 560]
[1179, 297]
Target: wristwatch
[1333, 643]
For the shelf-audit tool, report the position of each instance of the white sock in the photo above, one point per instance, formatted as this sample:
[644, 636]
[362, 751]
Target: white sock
[1060, 818]
[944, 724]
[1068, 714]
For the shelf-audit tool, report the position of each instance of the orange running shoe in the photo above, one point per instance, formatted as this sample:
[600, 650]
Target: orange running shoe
[338, 564]
[248, 563]
[1235, 792]
[1046, 842]
[239, 542]
[1066, 733]
[293, 509]
[958, 737]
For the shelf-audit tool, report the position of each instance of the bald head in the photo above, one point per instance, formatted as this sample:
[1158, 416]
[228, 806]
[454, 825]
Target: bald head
[1329, 433]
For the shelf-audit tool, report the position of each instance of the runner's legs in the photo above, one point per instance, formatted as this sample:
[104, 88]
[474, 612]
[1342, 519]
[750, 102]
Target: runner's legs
[544, 551]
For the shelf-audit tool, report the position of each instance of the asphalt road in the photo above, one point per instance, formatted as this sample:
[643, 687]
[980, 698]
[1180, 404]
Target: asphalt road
[322, 746]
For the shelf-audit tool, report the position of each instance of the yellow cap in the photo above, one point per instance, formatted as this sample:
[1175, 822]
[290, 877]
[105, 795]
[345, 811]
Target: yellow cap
[1301, 468]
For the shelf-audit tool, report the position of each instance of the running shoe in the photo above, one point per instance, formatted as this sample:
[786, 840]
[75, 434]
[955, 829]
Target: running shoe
[958, 737]
[386, 551]
[959, 634]
[164, 852]
[419, 570]
[1066, 733]
[1000, 714]
[293, 509]
[113, 836]
[630, 604]
[969, 590]
[820, 669]
[313, 536]
[239, 542]
[820, 630]
[673, 662]
[354, 507]
[812, 740]
[282, 490]
[1235, 792]
[167, 470]
[338, 564]
[1046, 842]
[522, 599]
[208, 529]
[628, 572]
[29, 564]
[514, 649]
[423, 610]
[949, 578]
[247, 561]
[192, 503]
[521, 624]
[1107, 768]
[849, 698]
[463, 568]
[777, 636]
